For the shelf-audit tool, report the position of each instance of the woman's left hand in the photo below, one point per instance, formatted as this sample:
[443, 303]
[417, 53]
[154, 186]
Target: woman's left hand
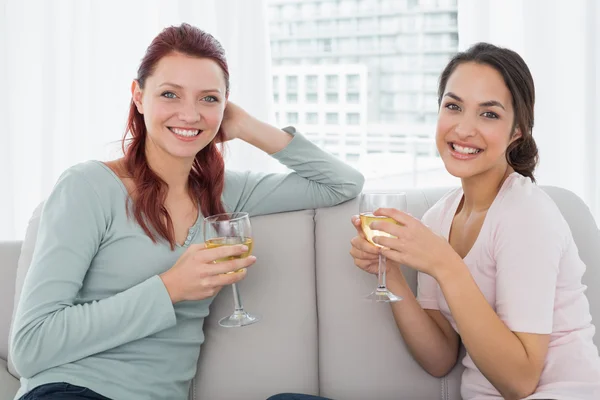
[234, 120]
[415, 245]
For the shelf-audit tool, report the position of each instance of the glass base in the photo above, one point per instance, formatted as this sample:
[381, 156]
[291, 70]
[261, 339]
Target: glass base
[237, 319]
[382, 295]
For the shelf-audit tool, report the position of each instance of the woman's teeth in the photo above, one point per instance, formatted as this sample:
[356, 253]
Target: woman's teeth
[185, 132]
[465, 150]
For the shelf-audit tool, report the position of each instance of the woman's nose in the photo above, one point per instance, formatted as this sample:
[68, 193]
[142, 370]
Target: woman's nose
[465, 127]
[189, 114]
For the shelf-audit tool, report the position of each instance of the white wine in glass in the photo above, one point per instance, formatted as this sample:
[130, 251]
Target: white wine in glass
[369, 203]
[366, 219]
[231, 229]
[231, 241]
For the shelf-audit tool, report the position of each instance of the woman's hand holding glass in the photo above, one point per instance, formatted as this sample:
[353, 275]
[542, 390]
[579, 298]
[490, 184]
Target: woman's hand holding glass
[413, 244]
[197, 275]
[366, 254]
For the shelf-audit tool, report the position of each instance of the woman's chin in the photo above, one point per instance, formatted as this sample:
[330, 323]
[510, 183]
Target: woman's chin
[460, 171]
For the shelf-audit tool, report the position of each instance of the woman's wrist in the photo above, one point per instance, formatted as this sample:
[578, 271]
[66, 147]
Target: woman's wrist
[165, 277]
[263, 136]
[395, 278]
[244, 127]
[454, 267]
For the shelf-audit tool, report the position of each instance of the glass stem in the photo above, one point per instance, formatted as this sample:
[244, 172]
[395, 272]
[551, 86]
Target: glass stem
[381, 272]
[236, 299]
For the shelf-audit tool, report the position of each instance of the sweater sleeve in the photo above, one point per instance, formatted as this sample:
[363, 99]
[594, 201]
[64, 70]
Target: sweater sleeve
[318, 180]
[51, 328]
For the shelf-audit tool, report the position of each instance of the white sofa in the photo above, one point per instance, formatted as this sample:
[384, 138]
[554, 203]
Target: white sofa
[317, 335]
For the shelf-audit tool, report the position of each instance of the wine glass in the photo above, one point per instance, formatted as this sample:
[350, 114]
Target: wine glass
[230, 229]
[369, 203]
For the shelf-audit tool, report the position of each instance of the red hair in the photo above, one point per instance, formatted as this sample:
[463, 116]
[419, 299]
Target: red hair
[207, 176]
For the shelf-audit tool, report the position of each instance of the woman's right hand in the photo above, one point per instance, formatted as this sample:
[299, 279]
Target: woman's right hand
[197, 275]
[366, 255]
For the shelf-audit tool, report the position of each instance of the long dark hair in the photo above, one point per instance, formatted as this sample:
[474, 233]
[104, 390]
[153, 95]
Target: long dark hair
[207, 176]
[522, 154]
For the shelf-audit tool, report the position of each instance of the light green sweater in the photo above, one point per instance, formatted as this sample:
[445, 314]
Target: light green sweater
[93, 310]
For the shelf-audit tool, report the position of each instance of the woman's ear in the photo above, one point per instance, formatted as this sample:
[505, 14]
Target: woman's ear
[516, 135]
[136, 96]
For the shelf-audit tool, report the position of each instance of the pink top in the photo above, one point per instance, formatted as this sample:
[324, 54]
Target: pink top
[527, 266]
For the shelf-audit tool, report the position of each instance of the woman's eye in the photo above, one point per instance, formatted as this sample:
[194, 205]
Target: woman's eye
[169, 95]
[211, 99]
[489, 114]
[452, 106]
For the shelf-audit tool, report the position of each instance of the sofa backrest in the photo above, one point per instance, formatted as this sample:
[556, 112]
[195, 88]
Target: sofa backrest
[317, 334]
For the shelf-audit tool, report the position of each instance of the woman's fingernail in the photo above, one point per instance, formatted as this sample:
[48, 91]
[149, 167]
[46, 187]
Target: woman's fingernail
[253, 258]
[244, 248]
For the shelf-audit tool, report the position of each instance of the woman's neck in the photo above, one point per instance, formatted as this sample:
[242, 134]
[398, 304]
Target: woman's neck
[174, 171]
[481, 190]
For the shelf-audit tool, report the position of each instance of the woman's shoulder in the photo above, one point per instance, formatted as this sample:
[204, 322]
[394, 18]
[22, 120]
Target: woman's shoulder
[444, 205]
[525, 206]
[94, 177]
[521, 196]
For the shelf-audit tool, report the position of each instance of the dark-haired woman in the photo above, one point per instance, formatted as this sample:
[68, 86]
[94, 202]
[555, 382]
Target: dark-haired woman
[497, 264]
[113, 303]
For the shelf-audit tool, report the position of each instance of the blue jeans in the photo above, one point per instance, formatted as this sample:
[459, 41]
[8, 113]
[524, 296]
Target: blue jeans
[295, 396]
[62, 391]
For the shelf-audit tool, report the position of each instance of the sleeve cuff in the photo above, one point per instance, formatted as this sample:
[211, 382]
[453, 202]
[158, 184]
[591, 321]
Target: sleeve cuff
[297, 141]
[163, 307]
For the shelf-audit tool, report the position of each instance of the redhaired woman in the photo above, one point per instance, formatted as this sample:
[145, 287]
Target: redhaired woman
[120, 283]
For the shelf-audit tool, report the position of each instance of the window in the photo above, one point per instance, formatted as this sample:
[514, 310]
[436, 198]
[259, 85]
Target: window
[325, 45]
[332, 82]
[353, 98]
[348, 67]
[352, 158]
[352, 83]
[331, 118]
[312, 118]
[292, 117]
[311, 98]
[332, 98]
[291, 83]
[353, 118]
[312, 83]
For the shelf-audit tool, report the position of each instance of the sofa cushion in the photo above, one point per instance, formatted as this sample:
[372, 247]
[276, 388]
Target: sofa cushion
[23, 266]
[279, 353]
[8, 383]
[361, 352]
[8, 272]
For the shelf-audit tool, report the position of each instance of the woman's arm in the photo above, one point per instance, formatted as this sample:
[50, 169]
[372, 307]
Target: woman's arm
[508, 345]
[50, 328]
[238, 123]
[511, 361]
[319, 179]
[431, 339]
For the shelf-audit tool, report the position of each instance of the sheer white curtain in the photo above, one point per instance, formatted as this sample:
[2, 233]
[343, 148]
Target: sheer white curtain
[65, 72]
[560, 41]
